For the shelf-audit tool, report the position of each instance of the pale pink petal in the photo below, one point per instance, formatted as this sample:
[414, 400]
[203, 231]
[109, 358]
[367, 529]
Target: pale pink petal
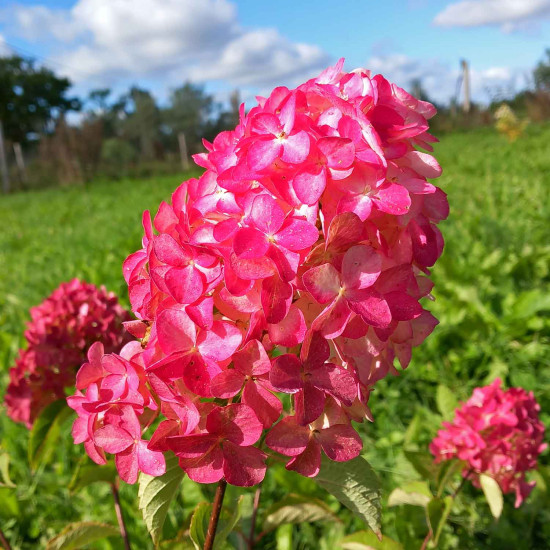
[340, 152]
[309, 187]
[323, 282]
[296, 148]
[249, 270]
[262, 152]
[393, 199]
[297, 235]
[361, 267]
[175, 331]
[150, 462]
[168, 251]
[266, 123]
[266, 214]
[220, 341]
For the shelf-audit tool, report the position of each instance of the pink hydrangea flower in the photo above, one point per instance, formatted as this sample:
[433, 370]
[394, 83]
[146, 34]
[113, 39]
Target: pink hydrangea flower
[295, 264]
[496, 432]
[61, 330]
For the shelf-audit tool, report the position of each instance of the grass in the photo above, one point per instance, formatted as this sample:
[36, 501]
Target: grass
[492, 289]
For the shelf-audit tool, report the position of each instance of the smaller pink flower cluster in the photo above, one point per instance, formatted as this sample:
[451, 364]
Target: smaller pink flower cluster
[497, 433]
[61, 330]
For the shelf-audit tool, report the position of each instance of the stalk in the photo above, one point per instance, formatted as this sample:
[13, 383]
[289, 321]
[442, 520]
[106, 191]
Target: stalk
[4, 541]
[257, 495]
[214, 518]
[120, 518]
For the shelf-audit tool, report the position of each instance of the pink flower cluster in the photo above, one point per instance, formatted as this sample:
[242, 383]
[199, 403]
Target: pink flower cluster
[498, 433]
[61, 330]
[311, 233]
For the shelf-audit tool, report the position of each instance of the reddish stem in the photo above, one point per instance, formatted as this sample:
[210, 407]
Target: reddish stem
[4, 541]
[215, 516]
[120, 517]
[256, 505]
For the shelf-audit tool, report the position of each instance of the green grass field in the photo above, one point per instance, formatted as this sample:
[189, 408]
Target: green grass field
[492, 289]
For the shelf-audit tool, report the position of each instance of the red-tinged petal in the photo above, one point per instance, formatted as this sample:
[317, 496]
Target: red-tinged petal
[290, 331]
[88, 373]
[237, 423]
[335, 380]
[243, 466]
[266, 123]
[372, 307]
[285, 261]
[344, 229]
[424, 164]
[192, 446]
[167, 428]
[150, 462]
[315, 351]
[250, 244]
[175, 331]
[168, 251]
[205, 469]
[220, 341]
[113, 439]
[393, 199]
[252, 359]
[288, 437]
[251, 270]
[137, 328]
[296, 148]
[79, 430]
[309, 187]
[297, 235]
[286, 373]
[198, 373]
[340, 152]
[227, 384]
[332, 322]
[202, 312]
[309, 404]
[360, 205]
[95, 453]
[323, 282]
[185, 284]
[266, 214]
[127, 465]
[225, 229]
[309, 462]
[340, 442]
[262, 152]
[267, 406]
[402, 306]
[361, 267]
[276, 298]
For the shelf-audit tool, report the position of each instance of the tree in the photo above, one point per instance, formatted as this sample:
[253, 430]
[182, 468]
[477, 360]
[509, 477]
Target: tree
[31, 97]
[143, 121]
[541, 74]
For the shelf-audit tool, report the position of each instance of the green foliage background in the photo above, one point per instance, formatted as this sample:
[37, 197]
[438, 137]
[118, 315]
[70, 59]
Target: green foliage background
[492, 290]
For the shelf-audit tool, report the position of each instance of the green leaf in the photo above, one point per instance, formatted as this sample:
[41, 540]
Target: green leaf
[437, 512]
[86, 474]
[367, 540]
[46, 431]
[416, 493]
[5, 470]
[356, 486]
[283, 537]
[9, 505]
[297, 509]
[446, 402]
[77, 535]
[155, 495]
[201, 518]
[422, 462]
[493, 494]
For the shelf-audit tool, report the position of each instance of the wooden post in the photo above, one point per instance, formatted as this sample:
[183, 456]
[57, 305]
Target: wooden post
[4, 163]
[466, 84]
[183, 151]
[20, 160]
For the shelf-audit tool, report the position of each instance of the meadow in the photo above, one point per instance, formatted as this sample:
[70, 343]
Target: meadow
[492, 297]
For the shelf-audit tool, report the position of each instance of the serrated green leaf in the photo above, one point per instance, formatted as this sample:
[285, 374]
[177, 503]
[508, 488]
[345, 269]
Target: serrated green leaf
[86, 474]
[437, 512]
[46, 431]
[297, 509]
[77, 535]
[415, 493]
[155, 495]
[367, 540]
[493, 494]
[199, 524]
[9, 505]
[356, 486]
[5, 470]
[446, 402]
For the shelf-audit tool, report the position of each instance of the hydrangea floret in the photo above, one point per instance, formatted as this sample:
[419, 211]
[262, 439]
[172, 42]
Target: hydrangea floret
[61, 330]
[294, 265]
[498, 433]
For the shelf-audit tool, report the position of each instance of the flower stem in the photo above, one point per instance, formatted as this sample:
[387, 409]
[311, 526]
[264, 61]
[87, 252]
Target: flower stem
[215, 516]
[4, 541]
[120, 517]
[257, 495]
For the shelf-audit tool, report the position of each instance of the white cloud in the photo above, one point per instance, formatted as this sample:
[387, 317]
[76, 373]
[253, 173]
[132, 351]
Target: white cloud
[4, 48]
[440, 80]
[509, 15]
[106, 41]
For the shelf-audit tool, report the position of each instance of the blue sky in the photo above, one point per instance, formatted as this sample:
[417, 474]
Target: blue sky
[254, 45]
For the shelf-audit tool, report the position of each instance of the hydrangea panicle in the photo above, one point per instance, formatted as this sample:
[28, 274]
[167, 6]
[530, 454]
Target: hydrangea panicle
[295, 264]
[61, 330]
[496, 432]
